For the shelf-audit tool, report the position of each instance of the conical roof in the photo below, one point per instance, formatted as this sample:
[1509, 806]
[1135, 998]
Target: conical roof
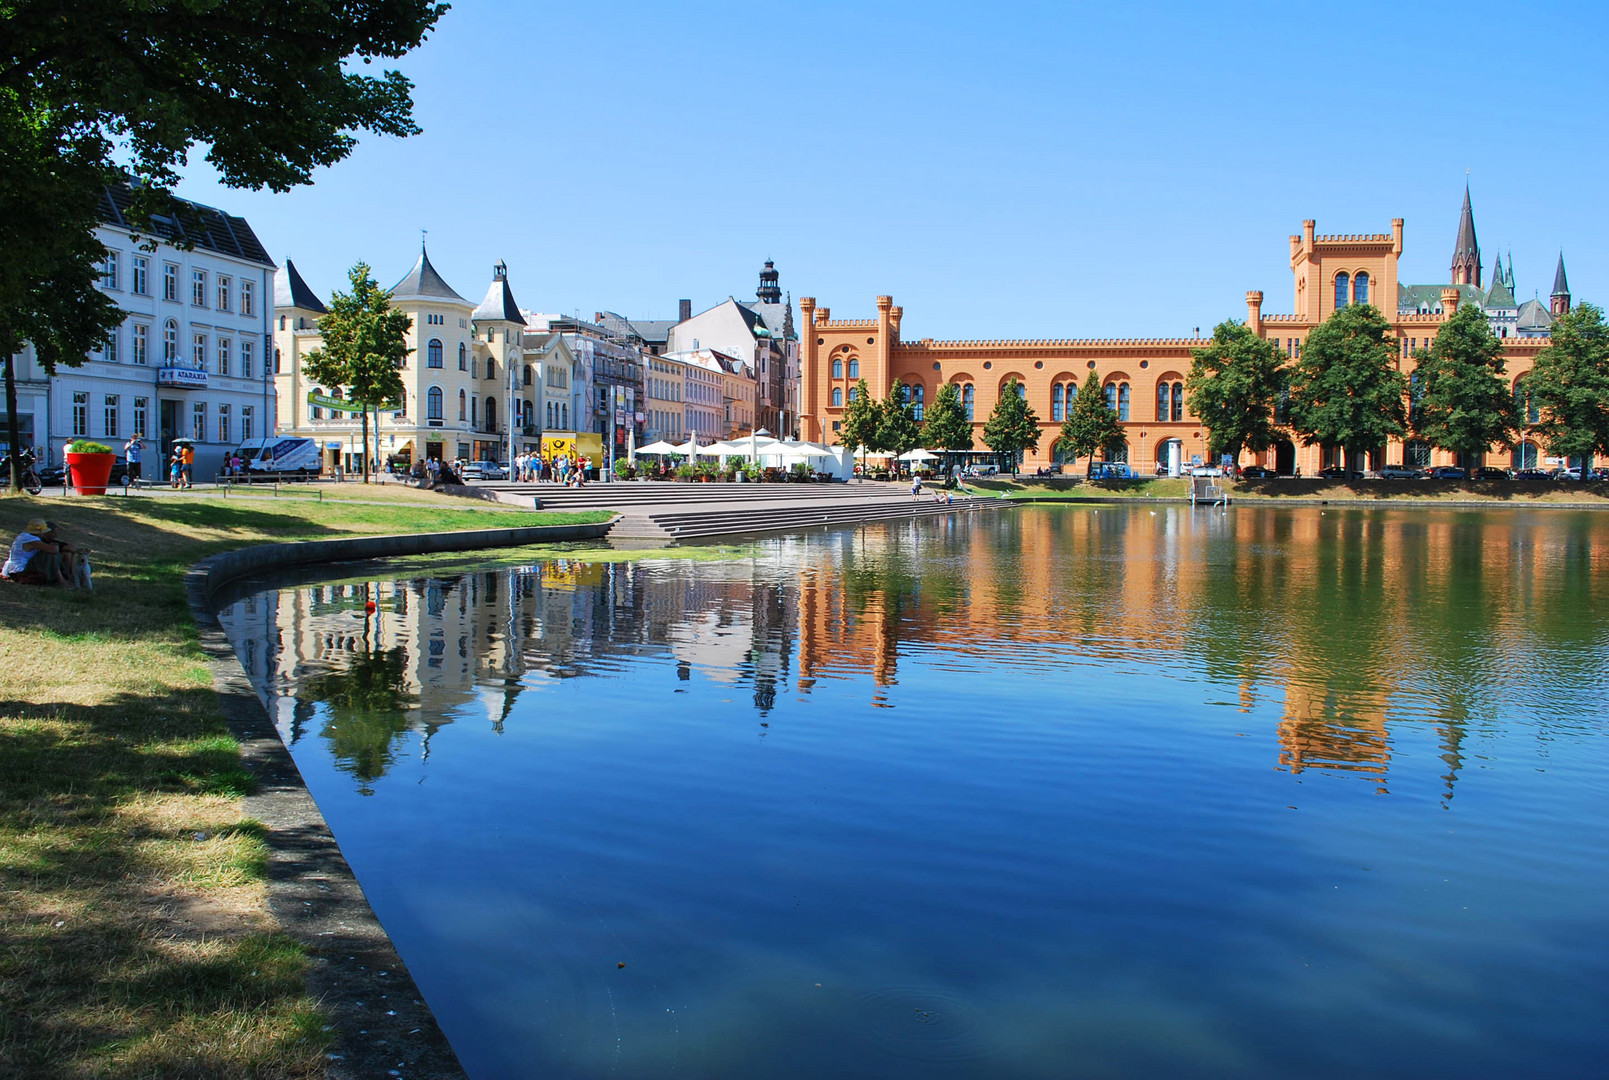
[499, 305]
[1561, 284]
[1466, 250]
[290, 291]
[423, 283]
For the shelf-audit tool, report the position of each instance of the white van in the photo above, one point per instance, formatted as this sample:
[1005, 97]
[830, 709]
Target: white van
[283, 458]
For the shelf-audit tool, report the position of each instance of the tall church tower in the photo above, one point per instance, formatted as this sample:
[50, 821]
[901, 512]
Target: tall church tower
[1561, 290]
[1466, 251]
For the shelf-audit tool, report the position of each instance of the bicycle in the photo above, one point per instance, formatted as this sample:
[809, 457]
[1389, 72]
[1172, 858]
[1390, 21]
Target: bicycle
[30, 475]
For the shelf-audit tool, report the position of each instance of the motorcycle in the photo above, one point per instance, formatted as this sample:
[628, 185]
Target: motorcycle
[30, 475]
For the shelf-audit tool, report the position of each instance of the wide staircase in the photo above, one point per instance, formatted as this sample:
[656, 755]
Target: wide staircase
[654, 514]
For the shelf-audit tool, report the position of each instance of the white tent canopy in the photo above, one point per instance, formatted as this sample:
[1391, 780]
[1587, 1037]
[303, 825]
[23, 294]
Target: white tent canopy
[918, 455]
[661, 447]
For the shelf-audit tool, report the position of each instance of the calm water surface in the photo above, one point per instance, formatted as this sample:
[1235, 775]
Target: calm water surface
[1053, 792]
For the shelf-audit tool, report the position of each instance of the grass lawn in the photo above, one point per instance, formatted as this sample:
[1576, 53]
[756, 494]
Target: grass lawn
[136, 941]
[1428, 492]
[1076, 487]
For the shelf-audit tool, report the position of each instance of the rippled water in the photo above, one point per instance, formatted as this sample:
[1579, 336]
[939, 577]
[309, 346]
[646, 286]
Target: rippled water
[1054, 792]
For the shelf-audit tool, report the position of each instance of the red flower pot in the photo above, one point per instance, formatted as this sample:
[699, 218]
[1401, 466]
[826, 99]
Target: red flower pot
[90, 471]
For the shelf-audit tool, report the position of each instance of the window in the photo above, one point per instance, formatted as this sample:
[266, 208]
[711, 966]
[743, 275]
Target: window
[433, 403]
[491, 368]
[837, 395]
[1056, 402]
[1111, 396]
[109, 416]
[564, 415]
[198, 352]
[248, 305]
[433, 353]
[966, 399]
[1123, 401]
[245, 410]
[316, 412]
[140, 275]
[854, 393]
[140, 343]
[198, 416]
[918, 401]
[1360, 288]
[474, 409]
[1341, 283]
[109, 347]
[1022, 391]
[170, 281]
[838, 367]
[109, 271]
[1178, 402]
[80, 413]
[528, 374]
[474, 369]
[550, 414]
[170, 342]
[1164, 401]
[198, 291]
[854, 367]
[223, 423]
[140, 407]
[223, 358]
[246, 350]
[277, 360]
[463, 405]
[223, 297]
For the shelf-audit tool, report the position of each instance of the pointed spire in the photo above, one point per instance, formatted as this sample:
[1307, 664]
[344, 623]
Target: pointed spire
[1466, 249]
[1561, 284]
[290, 291]
[499, 305]
[1510, 269]
[423, 283]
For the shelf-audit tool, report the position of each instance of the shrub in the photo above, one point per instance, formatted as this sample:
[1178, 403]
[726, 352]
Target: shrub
[84, 446]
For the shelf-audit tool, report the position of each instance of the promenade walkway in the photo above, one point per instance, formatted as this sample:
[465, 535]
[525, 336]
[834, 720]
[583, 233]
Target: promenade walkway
[657, 513]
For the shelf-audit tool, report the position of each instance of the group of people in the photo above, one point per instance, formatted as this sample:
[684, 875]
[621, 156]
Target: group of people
[570, 470]
[181, 466]
[39, 556]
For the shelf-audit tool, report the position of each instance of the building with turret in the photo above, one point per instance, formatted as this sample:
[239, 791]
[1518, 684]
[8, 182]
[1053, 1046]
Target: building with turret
[1143, 377]
[467, 387]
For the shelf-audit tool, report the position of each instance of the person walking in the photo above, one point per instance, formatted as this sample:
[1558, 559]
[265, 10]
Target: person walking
[133, 451]
[187, 465]
[916, 485]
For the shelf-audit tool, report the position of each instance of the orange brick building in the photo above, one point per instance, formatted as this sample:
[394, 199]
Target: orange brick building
[1144, 377]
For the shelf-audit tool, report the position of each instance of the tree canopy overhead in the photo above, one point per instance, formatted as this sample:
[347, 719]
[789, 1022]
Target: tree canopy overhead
[1346, 389]
[897, 432]
[1091, 425]
[1569, 384]
[1233, 386]
[1012, 426]
[1462, 402]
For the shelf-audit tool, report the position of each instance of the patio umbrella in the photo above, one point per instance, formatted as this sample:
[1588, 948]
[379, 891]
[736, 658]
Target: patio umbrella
[661, 447]
[918, 455]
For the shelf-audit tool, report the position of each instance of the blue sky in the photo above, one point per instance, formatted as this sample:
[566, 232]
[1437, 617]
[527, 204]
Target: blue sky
[1004, 170]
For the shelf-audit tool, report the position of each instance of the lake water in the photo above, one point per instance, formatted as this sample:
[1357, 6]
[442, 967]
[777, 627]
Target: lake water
[1049, 792]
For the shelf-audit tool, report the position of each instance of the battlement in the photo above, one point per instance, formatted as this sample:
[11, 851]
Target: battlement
[1415, 318]
[847, 324]
[1354, 238]
[1285, 318]
[1061, 343]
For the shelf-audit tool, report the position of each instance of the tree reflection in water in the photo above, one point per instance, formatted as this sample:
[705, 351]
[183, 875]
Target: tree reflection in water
[367, 708]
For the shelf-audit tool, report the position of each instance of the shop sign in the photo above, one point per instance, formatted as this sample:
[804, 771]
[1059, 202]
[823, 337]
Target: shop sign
[182, 378]
[342, 405]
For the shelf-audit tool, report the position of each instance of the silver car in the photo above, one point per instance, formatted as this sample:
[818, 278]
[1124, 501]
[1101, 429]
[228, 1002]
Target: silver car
[484, 470]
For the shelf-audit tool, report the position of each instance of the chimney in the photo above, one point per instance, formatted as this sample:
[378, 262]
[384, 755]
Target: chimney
[684, 310]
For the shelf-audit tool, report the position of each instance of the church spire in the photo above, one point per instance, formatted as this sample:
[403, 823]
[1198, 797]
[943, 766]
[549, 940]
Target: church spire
[1466, 250]
[1561, 289]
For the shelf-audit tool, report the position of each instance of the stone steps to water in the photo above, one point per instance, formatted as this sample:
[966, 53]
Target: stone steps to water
[622, 495]
[694, 525]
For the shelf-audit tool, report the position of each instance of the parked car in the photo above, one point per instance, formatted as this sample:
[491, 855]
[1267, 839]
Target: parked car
[1600, 474]
[1567, 474]
[1339, 472]
[1206, 470]
[1534, 474]
[483, 470]
[1448, 472]
[1111, 470]
[1492, 472]
[1258, 472]
[1400, 472]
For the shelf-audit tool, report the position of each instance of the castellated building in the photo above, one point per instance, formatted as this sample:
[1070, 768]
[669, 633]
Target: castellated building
[1144, 377]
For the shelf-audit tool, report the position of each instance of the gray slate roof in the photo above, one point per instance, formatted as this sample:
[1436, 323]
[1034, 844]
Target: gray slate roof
[499, 305]
[290, 291]
[423, 283]
[1409, 297]
[1561, 284]
[1534, 315]
[200, 226]
[775, 316]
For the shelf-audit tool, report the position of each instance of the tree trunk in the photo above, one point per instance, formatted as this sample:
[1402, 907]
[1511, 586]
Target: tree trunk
[13, 426]
[364, 412]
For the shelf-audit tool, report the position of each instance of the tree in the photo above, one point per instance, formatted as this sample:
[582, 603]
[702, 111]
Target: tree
[862, 419]
[121, 89]
[365, 344]
[897, 432]
[1569, 385]
[947, 426]
[1346, 389]
[1090, 425]
[1463, 402]
[1012, 427]
[1233, 386]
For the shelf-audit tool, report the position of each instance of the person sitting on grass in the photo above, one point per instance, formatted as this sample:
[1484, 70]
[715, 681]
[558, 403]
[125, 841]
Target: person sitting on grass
[34, 560]
[73, 566]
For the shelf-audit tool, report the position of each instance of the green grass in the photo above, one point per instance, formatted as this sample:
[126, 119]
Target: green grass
[132, 901]
[1073, 488]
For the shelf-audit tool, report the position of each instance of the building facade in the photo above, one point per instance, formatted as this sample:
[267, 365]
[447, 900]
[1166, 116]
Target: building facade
[189, 360]
[1143, 378]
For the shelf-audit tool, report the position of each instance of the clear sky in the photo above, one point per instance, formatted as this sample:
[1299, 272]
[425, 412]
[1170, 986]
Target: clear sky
[1004, 170]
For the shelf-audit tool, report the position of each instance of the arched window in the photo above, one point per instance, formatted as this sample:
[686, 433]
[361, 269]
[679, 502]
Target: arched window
[918, 396]
[837, 367]
[170, 342]
[528, 374]
[433, 353]
[1022, 391]
[1055, 403]
[491, 368]
[854, 367]
[1164, 401]
[1123, 401]
[463, 405]
[1341, 283]
[550, 414]
[1111, 396]
[564, 414]
[433, 403]
[966, 399]
[1360, 288]
[491, 414]
[838, 395]
[463, 357]
[1178, 401]
[854, 392]
[317, 411]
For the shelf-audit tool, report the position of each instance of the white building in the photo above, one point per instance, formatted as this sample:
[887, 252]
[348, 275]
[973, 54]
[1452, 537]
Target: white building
[190, 358]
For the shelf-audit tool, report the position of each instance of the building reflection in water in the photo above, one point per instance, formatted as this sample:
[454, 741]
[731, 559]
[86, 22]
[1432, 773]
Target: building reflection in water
[1346, 624]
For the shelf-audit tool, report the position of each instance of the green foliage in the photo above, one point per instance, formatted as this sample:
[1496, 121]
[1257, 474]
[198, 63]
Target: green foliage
[85, 446]
[897, 431]
[365, 345]
[1346, 389]
[1012, 427]
[367, 713]
[1569, 385]
[1233, 385]
[862, 419]
[623, 469]
[1463, 402]
[946, 426]
[1090, 425]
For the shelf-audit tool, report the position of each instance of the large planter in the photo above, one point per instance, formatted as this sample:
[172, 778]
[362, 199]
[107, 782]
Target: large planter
[90, 471]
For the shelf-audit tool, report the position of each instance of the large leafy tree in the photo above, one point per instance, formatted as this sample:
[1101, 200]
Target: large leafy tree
[946, 426]
[1012, 426]
[1463, 402]
[1090, 425]
[1346, 389]
[1233, 386]
[105, 89]
[897, 431]
[1569, 385]
[364, 345]
[863, 418]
